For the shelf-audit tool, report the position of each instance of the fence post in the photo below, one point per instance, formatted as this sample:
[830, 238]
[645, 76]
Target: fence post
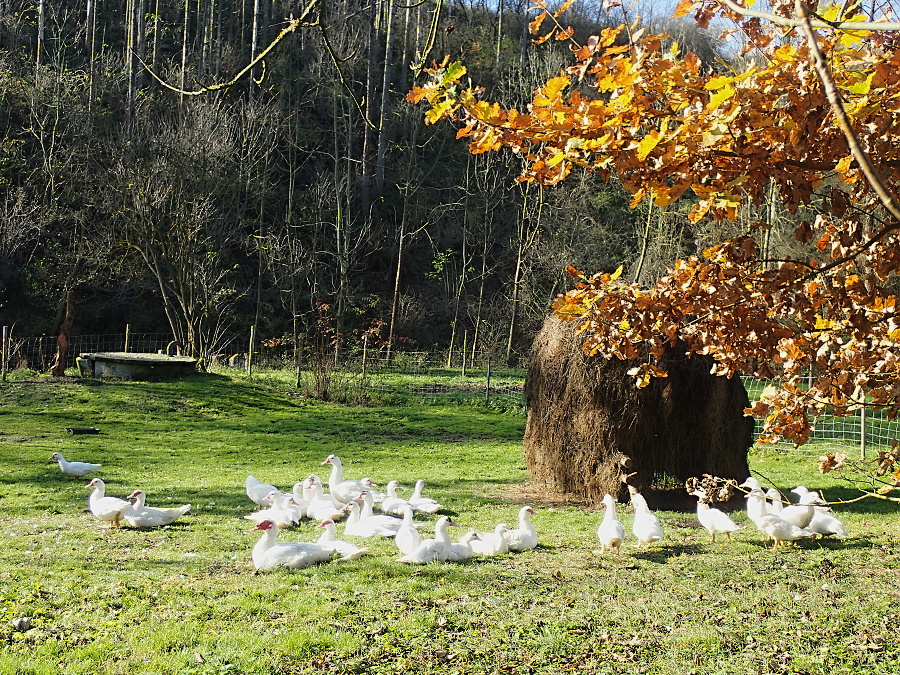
[487, 386]
[365, 352]
[250, 351]
[465, 341]
[862, 432]
[4, 356]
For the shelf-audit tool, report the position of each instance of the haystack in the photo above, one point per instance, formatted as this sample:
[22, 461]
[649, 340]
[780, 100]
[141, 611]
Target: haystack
[589, 425]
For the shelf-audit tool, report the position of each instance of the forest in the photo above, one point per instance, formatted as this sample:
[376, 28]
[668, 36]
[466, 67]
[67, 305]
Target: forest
[204, 166]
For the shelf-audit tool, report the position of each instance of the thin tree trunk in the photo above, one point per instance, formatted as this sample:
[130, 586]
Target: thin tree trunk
[499, 32]
[58, 369]
[371, 110]
[154, 57]
[254, 46]
[526, 239]
[184, 45]
[91, 42]
[383, 126]
[40, 38]
[396, 299]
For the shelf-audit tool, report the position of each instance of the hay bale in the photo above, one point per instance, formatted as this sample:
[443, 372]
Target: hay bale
[589, 425]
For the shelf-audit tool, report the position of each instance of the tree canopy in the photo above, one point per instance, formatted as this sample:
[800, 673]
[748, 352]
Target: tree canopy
[808, 111]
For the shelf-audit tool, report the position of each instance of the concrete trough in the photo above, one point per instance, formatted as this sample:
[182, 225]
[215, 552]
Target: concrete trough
[135, 366]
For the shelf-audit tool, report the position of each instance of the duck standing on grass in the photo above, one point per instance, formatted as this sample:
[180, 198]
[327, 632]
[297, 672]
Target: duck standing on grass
[714, 520]
[611, 532]
[646, 527]
[108, 509]
[74, 469]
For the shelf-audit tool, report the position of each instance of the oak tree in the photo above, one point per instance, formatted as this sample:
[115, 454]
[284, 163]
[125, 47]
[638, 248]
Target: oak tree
[814, 113]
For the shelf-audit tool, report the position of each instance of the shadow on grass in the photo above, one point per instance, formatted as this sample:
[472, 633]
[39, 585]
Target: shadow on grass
[662, 554]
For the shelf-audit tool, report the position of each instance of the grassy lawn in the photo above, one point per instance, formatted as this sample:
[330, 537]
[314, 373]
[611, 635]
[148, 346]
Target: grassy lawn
[184, 599]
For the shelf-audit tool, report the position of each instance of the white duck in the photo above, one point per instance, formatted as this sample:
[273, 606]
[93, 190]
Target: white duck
[372, 489]
[76, 469]
[281, 512]
[436, 549]
[756, 505]
[611, 532]
[525, 536]
[646, 526]
[751, 483]
[781, 530]
[345, 549]
[269, 553]
[108, 509]
[407, 537]
[374, 526]
[141, 515]
[714, 520]
[321, 506]
[392, 504]
[823, 522]
[258, 491]
[491, 543]
[462, 549]
[798, 514]
[774, 504]
[420, 503]
[341, 489]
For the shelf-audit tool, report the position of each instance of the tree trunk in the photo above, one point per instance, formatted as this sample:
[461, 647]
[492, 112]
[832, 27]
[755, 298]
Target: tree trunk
[384, 128]
[526, 237]
[40, 38]
[58, 368]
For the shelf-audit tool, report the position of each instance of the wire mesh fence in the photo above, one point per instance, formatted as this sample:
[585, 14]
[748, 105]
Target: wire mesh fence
[460, 377]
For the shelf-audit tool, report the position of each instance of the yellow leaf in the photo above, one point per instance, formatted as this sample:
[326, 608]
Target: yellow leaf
[615, 275]
[823, 324]
[624, 325]
[844, 164]
[554, 87]
[556, 159]
[718, 82]
[439, 111]
[683, 8]
[863, 86]
[719, 98]
[648, 142]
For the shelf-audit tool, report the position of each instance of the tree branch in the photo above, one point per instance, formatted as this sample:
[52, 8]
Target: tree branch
[875, 180]
[292, 26]
[785, 21]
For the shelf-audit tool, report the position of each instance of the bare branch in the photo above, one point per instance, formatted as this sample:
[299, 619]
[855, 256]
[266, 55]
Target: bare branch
[293, 25]
[785, 21]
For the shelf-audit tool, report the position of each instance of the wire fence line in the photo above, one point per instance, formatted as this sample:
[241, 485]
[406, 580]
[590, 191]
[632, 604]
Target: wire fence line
[474, 377]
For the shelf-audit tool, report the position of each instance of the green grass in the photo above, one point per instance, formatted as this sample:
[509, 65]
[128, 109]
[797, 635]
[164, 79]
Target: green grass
[184, 599]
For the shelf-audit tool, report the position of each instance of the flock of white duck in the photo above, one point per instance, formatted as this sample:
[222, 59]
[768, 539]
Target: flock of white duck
[353, 502]
[810, 517]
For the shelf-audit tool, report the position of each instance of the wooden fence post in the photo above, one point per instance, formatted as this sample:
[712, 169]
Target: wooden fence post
[127, 336]
[3, 353]
[465, 341]
[250, 351]
[862, 432]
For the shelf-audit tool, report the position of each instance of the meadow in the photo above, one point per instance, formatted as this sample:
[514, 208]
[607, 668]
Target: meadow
[76, 598]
